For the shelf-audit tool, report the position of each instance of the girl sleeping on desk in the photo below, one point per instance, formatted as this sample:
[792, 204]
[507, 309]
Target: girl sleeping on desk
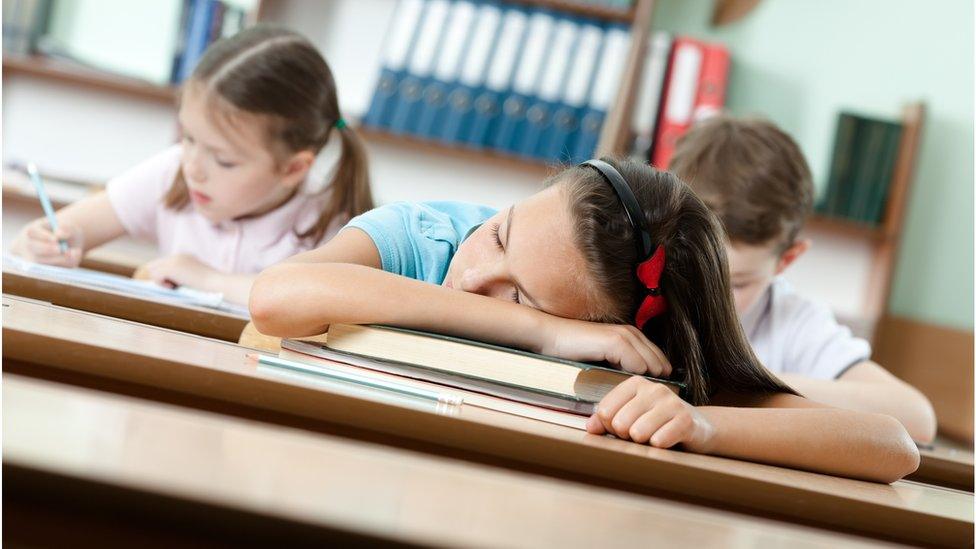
[613, 261]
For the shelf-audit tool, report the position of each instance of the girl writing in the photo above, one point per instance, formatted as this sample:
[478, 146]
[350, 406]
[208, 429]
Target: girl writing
[613, 261]
[234, 196]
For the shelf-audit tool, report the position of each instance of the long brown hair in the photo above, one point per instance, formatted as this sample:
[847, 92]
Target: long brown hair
[277, 73]
[700, 332]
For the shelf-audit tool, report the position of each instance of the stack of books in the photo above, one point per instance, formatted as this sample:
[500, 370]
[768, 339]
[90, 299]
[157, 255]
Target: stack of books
[861, 168]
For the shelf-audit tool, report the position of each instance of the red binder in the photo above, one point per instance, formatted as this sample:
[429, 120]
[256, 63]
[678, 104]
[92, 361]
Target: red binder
[695, 89]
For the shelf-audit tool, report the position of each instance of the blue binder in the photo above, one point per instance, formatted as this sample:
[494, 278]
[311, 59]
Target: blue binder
[402, 35]
[538, 117]
[406, 112]
[535, 53]
[555, 147]
[487, 102]
[474, 69]
[454, 43]
[197, 35]
[605, 85]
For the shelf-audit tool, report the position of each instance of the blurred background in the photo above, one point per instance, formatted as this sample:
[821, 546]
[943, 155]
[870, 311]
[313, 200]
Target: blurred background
[878, 93]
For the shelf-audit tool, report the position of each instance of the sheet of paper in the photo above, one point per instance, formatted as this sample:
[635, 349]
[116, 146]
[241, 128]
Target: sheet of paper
[139, 288]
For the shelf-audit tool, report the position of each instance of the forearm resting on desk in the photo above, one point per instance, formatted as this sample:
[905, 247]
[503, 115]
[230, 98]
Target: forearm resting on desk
[858, 445]
[867, 387]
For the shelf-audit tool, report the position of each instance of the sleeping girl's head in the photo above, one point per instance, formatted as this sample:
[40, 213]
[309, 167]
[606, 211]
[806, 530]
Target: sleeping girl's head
[255, 113]
[571, 250]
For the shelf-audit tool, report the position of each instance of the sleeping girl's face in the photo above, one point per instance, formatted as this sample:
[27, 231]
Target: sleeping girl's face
[526, 254]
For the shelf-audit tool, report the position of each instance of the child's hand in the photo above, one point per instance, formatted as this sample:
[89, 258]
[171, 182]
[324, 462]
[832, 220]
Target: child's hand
[38, 243]
[621, 345]
[644, 411]
[180, 270]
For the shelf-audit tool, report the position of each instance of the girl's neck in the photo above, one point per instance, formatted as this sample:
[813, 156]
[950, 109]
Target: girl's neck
[272, 204]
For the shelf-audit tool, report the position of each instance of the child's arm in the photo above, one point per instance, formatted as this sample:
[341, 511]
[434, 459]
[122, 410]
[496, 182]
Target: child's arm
[868, 387]
[341, 282]
[187, 270]
[86, 224]
[781, 429]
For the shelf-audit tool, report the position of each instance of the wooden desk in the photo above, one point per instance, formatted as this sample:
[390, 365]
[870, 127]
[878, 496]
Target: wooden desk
[946, 465]
[185, 318]
[259, 482]
[45, 340]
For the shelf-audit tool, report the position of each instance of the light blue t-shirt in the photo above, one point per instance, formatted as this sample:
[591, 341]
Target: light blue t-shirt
[418, 239]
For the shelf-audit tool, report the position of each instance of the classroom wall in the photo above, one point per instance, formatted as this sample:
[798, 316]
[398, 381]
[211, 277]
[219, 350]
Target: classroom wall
[800, 62]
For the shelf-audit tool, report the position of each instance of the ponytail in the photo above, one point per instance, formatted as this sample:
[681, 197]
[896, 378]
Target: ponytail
[700, 332]
[349, 187]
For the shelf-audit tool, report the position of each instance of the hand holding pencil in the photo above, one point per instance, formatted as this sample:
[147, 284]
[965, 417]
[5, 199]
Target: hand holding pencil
[44, 240]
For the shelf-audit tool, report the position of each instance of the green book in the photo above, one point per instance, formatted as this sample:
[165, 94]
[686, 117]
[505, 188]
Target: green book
[868, 162]
[888, 160]
[471, 365]
[840, 165]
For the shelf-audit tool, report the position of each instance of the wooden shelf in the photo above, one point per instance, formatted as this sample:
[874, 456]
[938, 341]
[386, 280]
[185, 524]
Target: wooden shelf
[425, 146]
[845, 227]
[77, 74]
[582, 9]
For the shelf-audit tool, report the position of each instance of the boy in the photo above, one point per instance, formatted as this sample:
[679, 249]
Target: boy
[755, 178]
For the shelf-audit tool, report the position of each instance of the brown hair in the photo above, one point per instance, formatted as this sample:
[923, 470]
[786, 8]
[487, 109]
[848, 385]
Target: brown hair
[751, 173]
[700, 332]
[279, 74]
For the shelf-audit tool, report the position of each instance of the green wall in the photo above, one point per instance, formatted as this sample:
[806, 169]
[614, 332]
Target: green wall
[799, 62]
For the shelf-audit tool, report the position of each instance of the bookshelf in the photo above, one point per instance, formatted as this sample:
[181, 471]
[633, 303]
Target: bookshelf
[76, 74]
[424, 146]
[616, 133]
[880, 242]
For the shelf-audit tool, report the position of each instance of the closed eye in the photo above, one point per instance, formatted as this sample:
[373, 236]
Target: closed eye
[494, 235]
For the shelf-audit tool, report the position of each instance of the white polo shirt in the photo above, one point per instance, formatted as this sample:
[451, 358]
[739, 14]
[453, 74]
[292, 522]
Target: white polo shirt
[793, 334]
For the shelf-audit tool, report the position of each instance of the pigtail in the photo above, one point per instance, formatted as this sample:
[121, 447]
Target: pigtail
[349, 189]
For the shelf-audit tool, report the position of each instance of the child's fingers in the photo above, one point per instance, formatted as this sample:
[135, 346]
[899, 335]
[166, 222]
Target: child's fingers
[636, 407]
[663, 366]
[673, 432]
[615, 400]
[42, 249]
[645, 427]
[594, 425]
[40, 231]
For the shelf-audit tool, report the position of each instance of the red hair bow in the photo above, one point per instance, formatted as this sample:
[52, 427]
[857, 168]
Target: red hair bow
[649, 273]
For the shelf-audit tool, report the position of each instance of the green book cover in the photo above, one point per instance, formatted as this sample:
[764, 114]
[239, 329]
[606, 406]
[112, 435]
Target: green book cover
[868, 163]
[889, 158]
[840, 162]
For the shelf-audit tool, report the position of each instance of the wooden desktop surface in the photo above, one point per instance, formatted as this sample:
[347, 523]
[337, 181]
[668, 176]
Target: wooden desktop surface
[185, 318]
[42, 339]
[946, 465]
[149, 449]
[943, 465]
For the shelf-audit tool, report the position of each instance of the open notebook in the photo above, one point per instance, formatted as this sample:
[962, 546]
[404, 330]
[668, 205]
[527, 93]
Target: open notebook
[137, 288]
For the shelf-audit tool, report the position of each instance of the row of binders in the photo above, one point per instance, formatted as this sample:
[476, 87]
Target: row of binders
[522, 81]
[202, 22]
[683, 81]
[534, 82]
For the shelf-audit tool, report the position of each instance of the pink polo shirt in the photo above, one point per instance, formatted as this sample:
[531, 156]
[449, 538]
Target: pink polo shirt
[239, 246]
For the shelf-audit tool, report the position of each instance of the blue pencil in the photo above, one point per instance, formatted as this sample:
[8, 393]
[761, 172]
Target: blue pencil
[45, 203]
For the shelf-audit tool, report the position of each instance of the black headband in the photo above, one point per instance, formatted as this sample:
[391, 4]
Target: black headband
[634, 213]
